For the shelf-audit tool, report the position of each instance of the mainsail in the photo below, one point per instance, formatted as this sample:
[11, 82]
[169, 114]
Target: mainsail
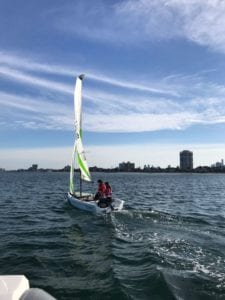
[78, 150]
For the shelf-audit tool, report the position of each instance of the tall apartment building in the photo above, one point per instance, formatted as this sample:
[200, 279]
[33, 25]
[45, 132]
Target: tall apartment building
[186, 160]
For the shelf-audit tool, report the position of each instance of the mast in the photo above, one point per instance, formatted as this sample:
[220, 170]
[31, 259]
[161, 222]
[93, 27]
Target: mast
[81, 77]
[80, 185]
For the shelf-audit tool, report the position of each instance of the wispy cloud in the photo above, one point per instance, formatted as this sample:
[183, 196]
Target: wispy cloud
[134, 21]
[128, 108]
[9, 65]
[27, 112]
[33, 80]
[151, 122]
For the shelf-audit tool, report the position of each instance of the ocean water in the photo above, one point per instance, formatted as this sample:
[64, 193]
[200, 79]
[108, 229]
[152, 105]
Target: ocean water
[167, 243]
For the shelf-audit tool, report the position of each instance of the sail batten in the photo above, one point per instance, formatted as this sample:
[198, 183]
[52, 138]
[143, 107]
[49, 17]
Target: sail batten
[78, 151]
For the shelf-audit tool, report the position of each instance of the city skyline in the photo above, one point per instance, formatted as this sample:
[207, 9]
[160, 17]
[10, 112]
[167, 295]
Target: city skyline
[186, 165]
[30, 163]
[154, 81]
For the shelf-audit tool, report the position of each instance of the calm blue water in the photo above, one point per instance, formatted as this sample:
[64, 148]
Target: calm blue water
[168, 243]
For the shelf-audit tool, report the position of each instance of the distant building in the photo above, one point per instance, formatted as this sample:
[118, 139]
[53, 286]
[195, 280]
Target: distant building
[33, 168]
[126, 166]
[218, 164]
[2, 170]
[186, 160]
[66, 168]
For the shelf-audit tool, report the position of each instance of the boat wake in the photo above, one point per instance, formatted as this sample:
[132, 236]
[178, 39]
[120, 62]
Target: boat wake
[176, 248]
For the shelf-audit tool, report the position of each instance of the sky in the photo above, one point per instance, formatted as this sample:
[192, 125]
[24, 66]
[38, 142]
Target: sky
[154, 85]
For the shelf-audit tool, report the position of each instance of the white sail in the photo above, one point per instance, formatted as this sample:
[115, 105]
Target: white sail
[85, 201]
[78, 151]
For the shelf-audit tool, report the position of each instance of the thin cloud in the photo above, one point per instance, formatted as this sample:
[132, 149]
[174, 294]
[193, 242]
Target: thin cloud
[46, 115]
[43, 113]
[14, 62]
[151, 122]
[22, 77]
[201, 102]
[28, 103]
[136, 21]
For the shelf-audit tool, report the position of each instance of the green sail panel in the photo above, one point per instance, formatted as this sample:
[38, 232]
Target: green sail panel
[82, 162]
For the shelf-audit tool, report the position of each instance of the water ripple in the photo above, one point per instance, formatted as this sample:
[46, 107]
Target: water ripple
[167, 243]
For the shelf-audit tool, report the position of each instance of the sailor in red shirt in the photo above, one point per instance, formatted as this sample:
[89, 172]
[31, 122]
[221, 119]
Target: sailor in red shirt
[101, 190]
[108, 192]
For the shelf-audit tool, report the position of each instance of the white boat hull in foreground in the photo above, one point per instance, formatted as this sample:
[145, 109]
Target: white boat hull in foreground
[17, 287]
[87, 203]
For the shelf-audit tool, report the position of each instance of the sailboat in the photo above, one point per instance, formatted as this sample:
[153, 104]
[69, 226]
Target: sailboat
[80, 199]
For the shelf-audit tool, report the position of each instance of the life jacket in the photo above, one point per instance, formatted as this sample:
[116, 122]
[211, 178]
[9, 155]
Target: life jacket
[108, 192]
[102, 189]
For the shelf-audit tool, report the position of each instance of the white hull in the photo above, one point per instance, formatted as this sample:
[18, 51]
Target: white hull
[16, 287]
[92, 206]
